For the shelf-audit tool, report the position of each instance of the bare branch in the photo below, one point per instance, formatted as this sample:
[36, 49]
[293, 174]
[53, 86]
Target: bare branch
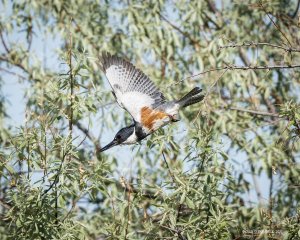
[278, 28]
[234, 67]
[255, 112]
[256, 44]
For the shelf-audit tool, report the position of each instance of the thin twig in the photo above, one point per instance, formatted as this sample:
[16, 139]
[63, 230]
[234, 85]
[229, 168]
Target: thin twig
[29, 33]
[255, 112]
[255, 183]
[212, 6]
[12, 73]
[278, 28]
[208, 92]
[180, 205]
[296, 10]
[70, 108]
[246, 62]
[244, 57]
[45, 154]
[255, 44]
[57, 175]
[85, 36]
[214, 83]
[185, 34]
[212, 21]
[3, 42]
[71, 85]
[19, 65]
[126, 185]
[89, 135]
[173, 231]
[74, 202]
[4, 204]
[112, 206]
[234, 67]
[146, 194]
[169, 170]
[270, 198]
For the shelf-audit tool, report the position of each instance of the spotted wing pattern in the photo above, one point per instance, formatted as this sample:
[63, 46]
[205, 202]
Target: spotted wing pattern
[132, 88]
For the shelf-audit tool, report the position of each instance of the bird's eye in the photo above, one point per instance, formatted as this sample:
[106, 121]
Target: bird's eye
[118, 137]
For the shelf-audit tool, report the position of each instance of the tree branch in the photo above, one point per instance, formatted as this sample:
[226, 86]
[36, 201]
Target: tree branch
[208, 92]
[234, 67]
[4, 204]
[3, 42]
[211, 6]
[278, 28]
[296, 10]
[180, 205]
[19, 65]
[89, 135]
[56, 176]
[255, 112]
[169, 170]
[185, 34]
[146, 194]
[256, 44]
[12, 73]
[71, 83]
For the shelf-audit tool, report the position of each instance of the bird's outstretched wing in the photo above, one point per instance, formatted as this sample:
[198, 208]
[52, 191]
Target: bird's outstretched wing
[131, 87]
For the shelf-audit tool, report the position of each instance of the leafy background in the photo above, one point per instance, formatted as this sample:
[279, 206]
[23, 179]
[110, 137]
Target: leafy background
[229, 170]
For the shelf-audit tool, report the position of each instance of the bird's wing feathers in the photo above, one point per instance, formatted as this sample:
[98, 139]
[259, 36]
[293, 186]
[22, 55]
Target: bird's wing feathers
[132, 88]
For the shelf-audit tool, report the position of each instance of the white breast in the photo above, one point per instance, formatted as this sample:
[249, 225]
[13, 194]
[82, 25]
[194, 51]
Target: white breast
[131, 140]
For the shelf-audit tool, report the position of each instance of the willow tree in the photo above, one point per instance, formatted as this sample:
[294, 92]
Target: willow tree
[228, 170]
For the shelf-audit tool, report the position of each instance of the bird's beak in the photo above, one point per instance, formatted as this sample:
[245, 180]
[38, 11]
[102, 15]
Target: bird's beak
[110, 145]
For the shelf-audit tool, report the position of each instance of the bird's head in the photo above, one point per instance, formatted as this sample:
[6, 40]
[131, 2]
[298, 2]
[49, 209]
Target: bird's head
[125, 136]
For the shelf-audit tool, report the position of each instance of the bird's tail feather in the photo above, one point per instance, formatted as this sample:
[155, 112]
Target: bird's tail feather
[191, 98]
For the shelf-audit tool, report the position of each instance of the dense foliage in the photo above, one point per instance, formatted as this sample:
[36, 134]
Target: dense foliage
[229, 170]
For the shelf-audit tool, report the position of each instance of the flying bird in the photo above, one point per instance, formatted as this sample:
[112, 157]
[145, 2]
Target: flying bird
[137, 94]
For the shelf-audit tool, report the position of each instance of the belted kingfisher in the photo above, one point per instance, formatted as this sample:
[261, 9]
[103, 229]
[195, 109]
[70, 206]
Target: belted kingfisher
[138, 95]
